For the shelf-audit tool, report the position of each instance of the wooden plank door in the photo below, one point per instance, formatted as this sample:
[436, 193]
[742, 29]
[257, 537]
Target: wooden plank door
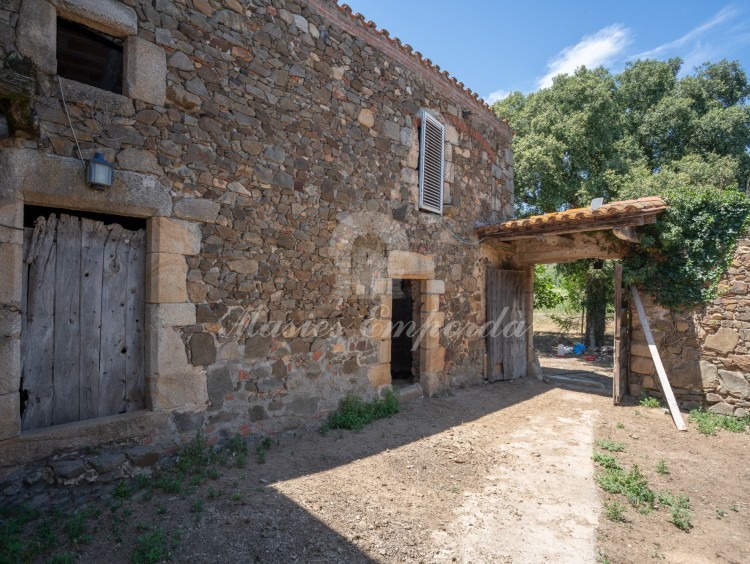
[620, 371]
[82, 344]
[506, 343]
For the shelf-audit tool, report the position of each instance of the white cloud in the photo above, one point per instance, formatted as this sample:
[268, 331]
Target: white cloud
[496, 96]
[725, 14]
[591, 51]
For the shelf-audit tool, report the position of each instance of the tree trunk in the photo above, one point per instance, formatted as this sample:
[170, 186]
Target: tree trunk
[596, 310]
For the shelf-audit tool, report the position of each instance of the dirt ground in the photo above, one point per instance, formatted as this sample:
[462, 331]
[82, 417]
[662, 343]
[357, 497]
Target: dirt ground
[496, 473]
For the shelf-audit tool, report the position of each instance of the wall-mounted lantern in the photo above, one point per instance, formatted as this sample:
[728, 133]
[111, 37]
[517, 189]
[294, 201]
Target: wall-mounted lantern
[100, 172]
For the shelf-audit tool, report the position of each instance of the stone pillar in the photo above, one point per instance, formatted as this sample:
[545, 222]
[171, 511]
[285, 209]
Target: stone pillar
[171, 380]
[379, 331]
[11, 262]
[431, 354]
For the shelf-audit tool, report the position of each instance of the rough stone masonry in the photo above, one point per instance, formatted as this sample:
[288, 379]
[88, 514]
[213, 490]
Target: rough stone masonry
[273, 147]
[705, 351]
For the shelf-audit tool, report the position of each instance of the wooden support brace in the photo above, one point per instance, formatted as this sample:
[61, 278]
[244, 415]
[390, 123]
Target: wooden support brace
[663, 380]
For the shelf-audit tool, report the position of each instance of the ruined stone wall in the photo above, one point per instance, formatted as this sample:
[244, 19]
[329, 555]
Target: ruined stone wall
[706, 352]
[269, 140]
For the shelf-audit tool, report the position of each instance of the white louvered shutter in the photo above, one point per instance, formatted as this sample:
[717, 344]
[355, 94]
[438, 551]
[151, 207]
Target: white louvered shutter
[432, 137]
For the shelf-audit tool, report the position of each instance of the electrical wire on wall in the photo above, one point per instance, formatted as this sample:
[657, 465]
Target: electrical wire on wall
[70, 122]
[458, 237]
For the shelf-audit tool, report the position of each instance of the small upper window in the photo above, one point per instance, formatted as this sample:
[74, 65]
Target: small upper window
[89, 56]
[431, 141]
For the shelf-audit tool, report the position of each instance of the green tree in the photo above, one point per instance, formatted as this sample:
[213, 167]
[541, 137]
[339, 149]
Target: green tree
[645, 131]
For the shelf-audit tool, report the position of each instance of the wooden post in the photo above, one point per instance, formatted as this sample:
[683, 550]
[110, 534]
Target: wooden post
[617, 380]
[529, 320]
[663, 380]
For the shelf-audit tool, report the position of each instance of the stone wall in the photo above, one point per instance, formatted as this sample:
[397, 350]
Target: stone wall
[264, 141]
[706, 352]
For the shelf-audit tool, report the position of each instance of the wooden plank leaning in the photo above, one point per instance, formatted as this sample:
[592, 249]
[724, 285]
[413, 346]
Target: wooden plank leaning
[663, 380]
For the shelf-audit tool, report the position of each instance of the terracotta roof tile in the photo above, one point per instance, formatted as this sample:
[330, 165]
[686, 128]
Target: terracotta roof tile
[557, 222]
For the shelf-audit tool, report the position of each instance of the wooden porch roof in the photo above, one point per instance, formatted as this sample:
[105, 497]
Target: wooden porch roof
[615, 215]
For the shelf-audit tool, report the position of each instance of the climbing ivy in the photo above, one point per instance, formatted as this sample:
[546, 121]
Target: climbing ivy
[683, 256]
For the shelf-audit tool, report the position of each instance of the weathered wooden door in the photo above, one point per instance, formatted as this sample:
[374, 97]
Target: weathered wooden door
[506, 342]
[82, 334]
[620, 372]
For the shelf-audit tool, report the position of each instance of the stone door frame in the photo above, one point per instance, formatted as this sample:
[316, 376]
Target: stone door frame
[34, 178]
[406, 265]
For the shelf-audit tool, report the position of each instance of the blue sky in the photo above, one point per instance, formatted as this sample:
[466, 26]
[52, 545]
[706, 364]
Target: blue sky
[494, 47]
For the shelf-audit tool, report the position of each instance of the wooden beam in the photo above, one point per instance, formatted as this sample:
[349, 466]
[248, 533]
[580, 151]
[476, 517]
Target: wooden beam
[14, 85]
[663, 380]
[531, 231]
[626, 234]
[595, 245]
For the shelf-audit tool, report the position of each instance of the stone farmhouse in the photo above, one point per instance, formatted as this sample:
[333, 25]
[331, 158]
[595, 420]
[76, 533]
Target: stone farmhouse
[287, 179]
[288, 182]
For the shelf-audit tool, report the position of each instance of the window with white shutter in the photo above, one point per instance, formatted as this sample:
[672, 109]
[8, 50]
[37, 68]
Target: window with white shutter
[431, 140]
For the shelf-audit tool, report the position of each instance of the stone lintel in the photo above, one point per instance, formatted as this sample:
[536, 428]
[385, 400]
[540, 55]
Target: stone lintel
[53, 181]
[409, 265]
[110, 16]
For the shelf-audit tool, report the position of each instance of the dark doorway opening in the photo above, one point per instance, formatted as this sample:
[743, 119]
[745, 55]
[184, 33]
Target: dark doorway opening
[405, 318]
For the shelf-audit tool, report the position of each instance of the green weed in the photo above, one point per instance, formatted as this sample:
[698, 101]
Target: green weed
[709, 422]
[197, 506]
[75, 527]
[237, 496]
[63, 558]
[720, 513]
[13, 520]
[632, 485]
[150, 548]
[122, 491]
[614, 511]
[612, 446]
[606, 460]
[621, 425]
[661, 467]
[679, 505]
[355, 413]
[649, 403]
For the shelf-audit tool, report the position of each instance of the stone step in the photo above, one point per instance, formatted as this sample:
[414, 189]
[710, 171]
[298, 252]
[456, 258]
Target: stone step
[408, 393]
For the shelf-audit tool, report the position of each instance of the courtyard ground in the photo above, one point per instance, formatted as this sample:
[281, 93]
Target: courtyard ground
[501, 472]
